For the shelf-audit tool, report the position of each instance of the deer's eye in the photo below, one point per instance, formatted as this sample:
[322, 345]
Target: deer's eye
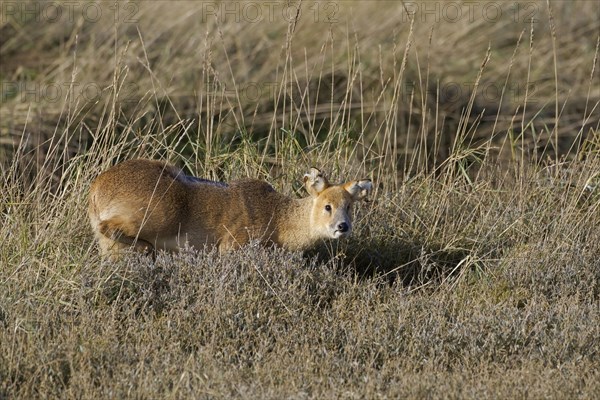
[328, 208]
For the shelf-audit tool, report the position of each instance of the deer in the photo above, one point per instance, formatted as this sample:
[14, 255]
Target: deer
[149, 205]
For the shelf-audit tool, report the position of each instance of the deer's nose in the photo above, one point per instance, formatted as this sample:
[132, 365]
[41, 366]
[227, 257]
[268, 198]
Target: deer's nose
[342, 227]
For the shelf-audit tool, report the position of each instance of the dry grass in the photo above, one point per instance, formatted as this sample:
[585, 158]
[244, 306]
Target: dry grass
[473, 273]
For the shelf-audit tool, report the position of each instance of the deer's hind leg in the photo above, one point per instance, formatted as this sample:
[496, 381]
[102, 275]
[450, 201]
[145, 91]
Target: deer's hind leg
[113, 240]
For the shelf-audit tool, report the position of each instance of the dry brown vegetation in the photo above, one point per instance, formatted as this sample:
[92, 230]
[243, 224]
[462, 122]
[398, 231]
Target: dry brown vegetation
[473, 273]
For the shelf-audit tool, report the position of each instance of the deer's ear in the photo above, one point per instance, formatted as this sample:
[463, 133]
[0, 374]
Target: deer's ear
[315, 182]
[359, 190]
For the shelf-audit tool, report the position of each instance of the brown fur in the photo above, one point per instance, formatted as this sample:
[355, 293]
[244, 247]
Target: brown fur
[149, 205]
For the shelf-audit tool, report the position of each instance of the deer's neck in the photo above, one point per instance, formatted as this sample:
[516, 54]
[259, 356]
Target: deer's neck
[294, 230]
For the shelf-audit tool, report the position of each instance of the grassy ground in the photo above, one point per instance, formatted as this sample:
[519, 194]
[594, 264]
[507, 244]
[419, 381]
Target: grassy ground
[473, 273]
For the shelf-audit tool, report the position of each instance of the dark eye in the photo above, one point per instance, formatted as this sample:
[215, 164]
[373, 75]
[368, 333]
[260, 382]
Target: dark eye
[328, 208]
